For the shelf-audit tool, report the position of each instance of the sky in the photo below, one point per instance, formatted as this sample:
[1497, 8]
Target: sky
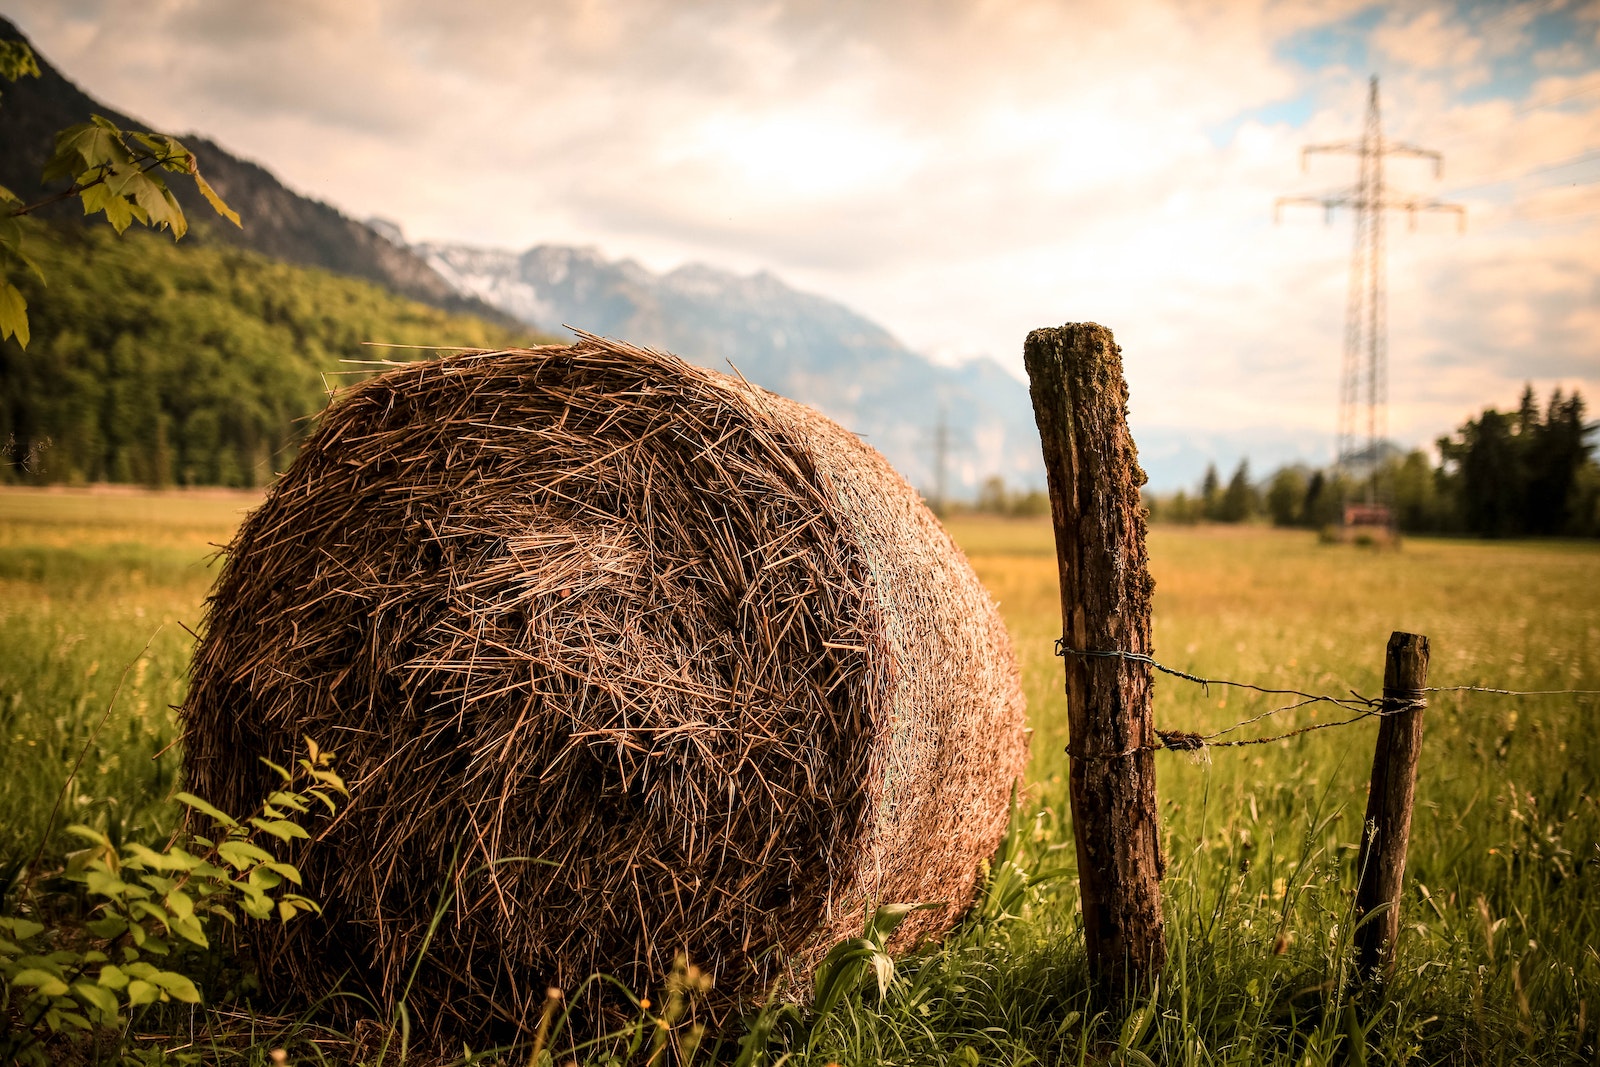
[961, 171]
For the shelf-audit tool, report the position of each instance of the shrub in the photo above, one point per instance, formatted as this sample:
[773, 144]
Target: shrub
[111, 938]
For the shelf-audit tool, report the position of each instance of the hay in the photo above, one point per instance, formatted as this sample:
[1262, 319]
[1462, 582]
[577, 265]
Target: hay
[690, 642]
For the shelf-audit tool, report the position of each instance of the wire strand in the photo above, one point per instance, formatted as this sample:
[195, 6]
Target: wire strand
[1391, 703]
[1513, 692]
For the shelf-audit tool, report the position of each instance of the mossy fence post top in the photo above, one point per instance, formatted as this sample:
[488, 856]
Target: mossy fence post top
[1080, 403]
[694, 644]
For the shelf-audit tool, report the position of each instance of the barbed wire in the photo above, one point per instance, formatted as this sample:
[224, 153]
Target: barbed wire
[1391, 703]
[1514, 692]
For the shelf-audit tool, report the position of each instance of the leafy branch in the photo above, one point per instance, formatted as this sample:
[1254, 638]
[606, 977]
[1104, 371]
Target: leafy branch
[17, 61]
[149, 905]
[113, 172]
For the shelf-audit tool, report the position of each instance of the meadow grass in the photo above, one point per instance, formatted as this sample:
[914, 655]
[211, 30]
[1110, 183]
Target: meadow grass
[1501, 923]
[1498, 960]
[86, 579]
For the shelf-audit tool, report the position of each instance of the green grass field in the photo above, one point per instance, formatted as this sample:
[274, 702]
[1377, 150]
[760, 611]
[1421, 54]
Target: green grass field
[1500, 954]
[86, 579]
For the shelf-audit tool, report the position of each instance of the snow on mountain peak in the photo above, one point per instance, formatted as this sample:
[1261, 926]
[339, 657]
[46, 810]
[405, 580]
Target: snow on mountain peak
[801, 345]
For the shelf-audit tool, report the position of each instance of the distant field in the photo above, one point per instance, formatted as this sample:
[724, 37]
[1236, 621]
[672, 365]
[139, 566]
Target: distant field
[1277, 608]
[86, 578]
[1500, 950]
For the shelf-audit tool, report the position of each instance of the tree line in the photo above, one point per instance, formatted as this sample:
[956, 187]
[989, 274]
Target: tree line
[1528, 472]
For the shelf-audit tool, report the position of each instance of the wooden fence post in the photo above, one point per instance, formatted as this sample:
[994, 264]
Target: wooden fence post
[1387, 829]
[1080, 402]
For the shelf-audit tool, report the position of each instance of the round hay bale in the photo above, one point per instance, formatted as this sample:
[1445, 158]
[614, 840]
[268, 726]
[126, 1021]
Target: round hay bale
[691, 644]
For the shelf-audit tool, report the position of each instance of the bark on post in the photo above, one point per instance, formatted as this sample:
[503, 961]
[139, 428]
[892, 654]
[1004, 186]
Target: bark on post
[1387, 830]
[1080, 402]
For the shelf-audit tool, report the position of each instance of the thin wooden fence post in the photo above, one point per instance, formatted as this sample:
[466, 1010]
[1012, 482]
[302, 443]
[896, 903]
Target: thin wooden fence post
[1080, 402]
[1387, 829]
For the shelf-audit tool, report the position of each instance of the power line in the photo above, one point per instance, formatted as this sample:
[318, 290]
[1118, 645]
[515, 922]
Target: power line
[1362, 707]
[1525, 109]
[1511, 174]
[1554, 216]
[1558, 101]
[1364, 377]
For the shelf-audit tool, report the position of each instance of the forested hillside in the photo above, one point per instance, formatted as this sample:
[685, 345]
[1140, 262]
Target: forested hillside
[188, 364]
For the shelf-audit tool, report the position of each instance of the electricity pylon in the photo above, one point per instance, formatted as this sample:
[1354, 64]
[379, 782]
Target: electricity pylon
[945, 441]
[1364, 380]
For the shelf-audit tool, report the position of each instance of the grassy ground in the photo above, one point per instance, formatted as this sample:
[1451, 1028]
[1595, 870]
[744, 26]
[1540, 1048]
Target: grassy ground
[86, 579]
[1498, 961]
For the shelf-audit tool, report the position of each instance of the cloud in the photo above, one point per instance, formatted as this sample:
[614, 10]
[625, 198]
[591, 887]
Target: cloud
[1431, 40]
[961, 170]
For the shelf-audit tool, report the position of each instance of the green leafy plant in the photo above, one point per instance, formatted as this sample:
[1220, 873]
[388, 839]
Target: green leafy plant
[850, 964]
[123, 950]
[113, 172]
[1008, 886]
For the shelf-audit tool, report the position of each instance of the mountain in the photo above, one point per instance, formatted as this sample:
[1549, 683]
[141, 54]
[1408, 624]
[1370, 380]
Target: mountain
[794, 343]
[798, 344]
[278, 222]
